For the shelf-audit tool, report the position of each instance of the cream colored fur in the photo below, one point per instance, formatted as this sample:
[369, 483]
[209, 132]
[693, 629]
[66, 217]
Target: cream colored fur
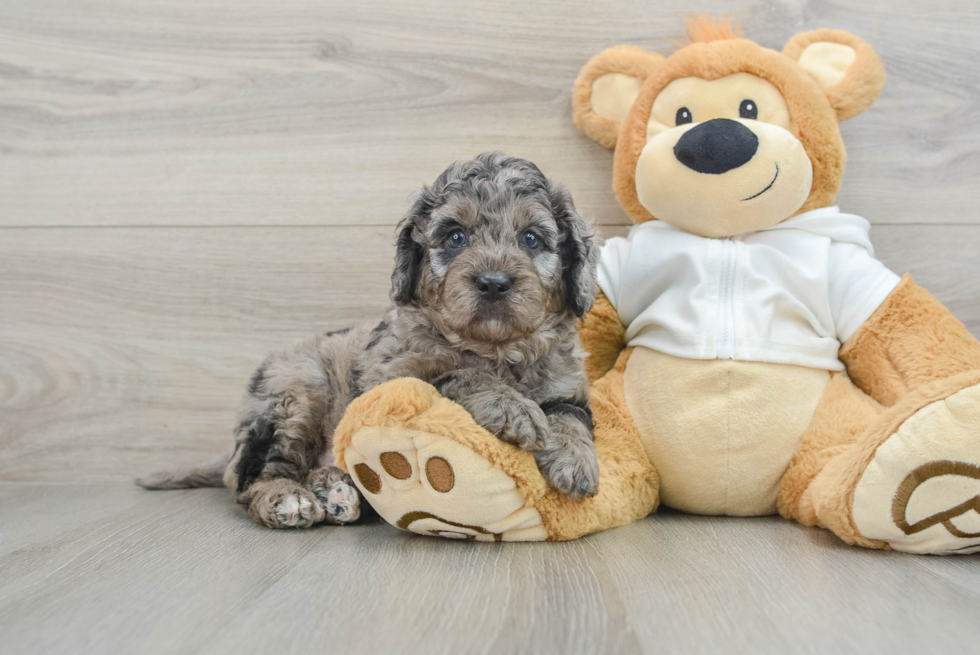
[943, 437]
[613, 94]
[710, 427]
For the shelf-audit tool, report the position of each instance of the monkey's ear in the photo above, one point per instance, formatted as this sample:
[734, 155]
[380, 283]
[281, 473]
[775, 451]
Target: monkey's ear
[606, 88]
[408, 258]
[847, 69]
[578, 251]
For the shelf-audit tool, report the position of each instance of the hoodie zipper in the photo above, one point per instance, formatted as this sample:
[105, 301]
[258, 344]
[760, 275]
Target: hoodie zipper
[725, 337]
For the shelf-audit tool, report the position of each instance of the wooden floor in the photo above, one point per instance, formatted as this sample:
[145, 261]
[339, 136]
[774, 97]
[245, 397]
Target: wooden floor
[108, 568]
[187, 184]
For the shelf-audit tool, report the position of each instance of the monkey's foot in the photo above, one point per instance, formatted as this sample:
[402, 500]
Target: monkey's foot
[912, 483]
[427, 467]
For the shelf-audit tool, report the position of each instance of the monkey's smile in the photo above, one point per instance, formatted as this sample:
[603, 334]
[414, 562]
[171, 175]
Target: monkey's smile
[769, 186]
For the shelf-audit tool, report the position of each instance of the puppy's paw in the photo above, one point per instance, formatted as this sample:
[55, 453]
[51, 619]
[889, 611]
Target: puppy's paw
[340, 499]
[285, 504]
[515, 420]
[572, 469]
[296, 511]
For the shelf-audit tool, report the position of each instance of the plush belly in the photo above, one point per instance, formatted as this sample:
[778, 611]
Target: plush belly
[720, 433]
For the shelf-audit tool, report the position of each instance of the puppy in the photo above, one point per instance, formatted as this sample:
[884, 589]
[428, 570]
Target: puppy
[493, 269]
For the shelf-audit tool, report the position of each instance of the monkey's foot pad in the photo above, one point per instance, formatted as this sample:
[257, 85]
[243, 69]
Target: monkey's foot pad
[427, 467]
[921, 492]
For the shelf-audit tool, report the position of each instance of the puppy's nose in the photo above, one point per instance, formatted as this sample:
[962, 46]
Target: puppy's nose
[494, 286]
[716, 146]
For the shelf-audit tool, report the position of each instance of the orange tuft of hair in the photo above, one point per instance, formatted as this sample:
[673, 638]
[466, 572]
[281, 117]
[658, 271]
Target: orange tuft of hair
[702, 28]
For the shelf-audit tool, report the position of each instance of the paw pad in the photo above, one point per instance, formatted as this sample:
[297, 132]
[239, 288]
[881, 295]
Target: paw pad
[369, 480]
[396, 465]
[432, 485]
[440, 474]
[966, 513]
[921, 492]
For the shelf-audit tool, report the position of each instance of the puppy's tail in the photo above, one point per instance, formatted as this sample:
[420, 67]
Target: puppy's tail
[205, 475]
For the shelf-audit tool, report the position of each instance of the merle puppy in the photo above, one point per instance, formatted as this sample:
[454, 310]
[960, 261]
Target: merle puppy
[493, 269]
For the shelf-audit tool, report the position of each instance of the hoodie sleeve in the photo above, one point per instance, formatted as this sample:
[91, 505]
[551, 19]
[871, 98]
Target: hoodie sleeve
[858, 285]
[611, 264]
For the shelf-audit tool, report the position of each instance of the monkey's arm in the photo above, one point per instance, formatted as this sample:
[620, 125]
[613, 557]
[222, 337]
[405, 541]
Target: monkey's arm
[603, 337]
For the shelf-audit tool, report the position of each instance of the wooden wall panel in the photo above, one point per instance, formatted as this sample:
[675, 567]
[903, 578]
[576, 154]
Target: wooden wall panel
[125, 349]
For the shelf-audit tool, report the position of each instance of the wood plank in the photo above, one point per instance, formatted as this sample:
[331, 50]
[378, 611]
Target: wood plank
[132, 343]
[124, 350]
[205, 112]
[187, 572]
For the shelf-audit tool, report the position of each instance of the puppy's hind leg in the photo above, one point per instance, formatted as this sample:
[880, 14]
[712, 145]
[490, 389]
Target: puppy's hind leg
[283, 503]
[271, 462]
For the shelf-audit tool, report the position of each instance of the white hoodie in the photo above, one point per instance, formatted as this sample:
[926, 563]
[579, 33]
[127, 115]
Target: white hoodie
[789, 294]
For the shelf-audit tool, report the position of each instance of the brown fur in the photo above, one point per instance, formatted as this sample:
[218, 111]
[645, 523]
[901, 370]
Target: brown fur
[814, 112]
[603, 337]
[843, 415]
[866, 74]
[627, 59]
[911, 340]
[830, 497]
[814, 120]
[911, 353]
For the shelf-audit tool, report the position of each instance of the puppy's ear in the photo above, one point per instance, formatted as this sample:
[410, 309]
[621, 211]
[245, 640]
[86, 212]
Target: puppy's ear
[578, 250]
[408, 258]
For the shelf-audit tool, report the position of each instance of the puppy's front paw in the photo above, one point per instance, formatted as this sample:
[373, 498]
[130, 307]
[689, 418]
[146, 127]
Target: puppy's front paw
[572, 469]
[515, 420]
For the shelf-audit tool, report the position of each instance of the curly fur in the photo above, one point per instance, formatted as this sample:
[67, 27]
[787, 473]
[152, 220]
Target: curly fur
[515, 363]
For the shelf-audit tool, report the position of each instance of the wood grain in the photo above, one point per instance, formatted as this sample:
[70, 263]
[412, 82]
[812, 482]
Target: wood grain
[124, 350]
[185, 572]
[188, 184]
[119, 342]
[210, 112]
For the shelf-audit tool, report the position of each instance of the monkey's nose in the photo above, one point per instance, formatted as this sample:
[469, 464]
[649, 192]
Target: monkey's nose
[716, 146]
[494, 286]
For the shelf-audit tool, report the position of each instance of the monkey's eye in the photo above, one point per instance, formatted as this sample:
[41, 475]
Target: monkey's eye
[457, 239]
[683, 116]
[748, 109]
[530, 240]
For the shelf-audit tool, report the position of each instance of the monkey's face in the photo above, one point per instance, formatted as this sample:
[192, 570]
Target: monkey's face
[724, 136]
[721, 157]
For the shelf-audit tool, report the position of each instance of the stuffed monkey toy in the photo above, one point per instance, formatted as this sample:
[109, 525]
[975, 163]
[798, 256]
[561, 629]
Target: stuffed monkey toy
[748, 354]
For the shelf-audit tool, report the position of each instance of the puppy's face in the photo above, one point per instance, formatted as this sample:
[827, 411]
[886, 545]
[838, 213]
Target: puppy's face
[493, 270]
[494, 251]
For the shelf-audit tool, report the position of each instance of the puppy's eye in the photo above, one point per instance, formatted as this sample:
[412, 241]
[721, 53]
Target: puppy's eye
[748, 109]
[683, 116]
[530, 240]
[457, 239]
